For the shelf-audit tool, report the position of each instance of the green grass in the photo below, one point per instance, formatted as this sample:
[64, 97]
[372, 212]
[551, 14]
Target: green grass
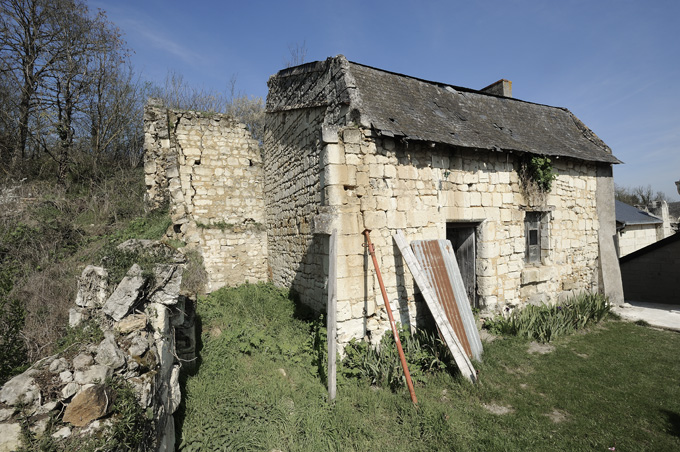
[259, 387]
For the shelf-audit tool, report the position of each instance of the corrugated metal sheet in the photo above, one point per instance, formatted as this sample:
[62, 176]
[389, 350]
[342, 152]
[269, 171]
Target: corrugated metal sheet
[441, 268]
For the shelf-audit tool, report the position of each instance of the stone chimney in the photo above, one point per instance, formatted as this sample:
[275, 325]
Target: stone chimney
[501, 88]
[660, 209]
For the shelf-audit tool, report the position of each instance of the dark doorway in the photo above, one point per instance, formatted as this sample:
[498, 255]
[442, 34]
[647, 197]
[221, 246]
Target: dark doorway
[463, 237]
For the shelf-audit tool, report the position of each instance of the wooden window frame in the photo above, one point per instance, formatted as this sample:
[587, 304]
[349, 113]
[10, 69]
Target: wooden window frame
[533, 228]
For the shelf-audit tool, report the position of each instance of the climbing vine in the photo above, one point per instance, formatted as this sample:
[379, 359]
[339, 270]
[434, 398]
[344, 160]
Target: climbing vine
[540, 171]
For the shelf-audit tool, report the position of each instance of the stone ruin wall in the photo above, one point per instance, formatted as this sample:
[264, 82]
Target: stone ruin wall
[149, 335]
[384, 185]
[208, 169]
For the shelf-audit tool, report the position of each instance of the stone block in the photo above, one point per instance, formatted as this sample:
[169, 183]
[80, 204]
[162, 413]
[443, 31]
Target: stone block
[375, 220]
[332, 154]
[126, 294]
[92, 287]
[352, 136]
[396, 219]
[334, 195]
[329, 133]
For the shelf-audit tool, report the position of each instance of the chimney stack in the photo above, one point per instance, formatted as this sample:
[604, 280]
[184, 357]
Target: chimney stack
[501, 88]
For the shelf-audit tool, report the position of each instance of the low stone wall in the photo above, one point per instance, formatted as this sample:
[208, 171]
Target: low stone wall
[148, 334]
[208, 169]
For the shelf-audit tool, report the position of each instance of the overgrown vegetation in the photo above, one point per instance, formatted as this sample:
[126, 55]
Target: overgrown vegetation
[547, 322]
[260, 386]
[129, 428]
[47, 236]
[539, 170]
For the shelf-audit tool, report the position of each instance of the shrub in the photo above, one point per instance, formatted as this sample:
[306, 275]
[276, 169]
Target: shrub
[546, 322]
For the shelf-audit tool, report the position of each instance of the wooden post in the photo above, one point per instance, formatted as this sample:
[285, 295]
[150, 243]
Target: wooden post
[331, 308]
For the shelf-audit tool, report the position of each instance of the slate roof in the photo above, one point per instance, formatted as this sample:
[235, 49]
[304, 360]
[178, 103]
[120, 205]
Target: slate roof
[398, 105]
[629, 215]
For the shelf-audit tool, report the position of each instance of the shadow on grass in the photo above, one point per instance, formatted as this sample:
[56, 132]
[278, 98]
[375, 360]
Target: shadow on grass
[185, 373]
[673, 420]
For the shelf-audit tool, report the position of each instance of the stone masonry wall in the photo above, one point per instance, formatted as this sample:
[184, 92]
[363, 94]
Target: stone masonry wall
[634, 237]
[148, 335]
[384, 185]
[292, 187]
[300, 106]
[209, 169]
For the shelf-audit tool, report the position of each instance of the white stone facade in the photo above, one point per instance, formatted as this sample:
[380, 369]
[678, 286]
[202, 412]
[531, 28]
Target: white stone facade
[384, 185]
[637, 236]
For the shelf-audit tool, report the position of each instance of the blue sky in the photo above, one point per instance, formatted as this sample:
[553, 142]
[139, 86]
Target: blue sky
[614, 63]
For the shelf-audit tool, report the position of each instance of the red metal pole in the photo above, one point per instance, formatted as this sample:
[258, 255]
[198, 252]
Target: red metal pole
[397, 341]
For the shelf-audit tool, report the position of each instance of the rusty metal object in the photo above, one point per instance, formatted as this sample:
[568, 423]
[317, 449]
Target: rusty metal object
[397, 341]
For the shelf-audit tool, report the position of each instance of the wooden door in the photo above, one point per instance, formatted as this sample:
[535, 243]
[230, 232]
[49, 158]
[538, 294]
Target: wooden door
[463, 239]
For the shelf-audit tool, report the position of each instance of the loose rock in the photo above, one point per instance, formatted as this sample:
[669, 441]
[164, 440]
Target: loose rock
[126, 294]
[88, 405]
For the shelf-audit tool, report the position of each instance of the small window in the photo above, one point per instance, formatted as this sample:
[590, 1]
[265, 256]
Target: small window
[532, 227]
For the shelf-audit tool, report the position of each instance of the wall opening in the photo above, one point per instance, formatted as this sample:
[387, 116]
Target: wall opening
[463, 237]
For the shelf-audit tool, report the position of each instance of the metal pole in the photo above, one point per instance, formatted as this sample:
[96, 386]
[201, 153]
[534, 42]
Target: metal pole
[397, 341]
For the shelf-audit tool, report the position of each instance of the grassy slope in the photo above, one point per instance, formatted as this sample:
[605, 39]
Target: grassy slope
[258, 388]
[47, 236]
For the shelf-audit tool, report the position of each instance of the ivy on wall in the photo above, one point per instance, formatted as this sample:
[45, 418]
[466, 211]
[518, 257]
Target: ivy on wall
[540, 171]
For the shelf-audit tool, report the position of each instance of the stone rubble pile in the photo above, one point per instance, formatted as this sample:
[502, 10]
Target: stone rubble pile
[148, 329]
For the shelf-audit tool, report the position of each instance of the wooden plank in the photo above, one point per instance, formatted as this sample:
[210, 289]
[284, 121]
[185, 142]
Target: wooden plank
[459, 355]
[463, 241]
[331, 313]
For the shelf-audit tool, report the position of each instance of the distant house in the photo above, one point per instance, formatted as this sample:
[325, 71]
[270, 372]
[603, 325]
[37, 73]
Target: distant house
[674, 212]
[636, 228]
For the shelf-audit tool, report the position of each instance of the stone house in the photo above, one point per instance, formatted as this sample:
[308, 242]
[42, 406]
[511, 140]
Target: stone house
[637, 227]
[351, 147]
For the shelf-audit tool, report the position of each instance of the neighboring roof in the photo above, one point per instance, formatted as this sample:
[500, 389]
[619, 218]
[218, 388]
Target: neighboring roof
[402, 106]
[629, 215]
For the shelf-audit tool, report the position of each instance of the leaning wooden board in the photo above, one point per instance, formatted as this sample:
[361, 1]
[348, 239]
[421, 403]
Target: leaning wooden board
[438, 261]
[456, 348]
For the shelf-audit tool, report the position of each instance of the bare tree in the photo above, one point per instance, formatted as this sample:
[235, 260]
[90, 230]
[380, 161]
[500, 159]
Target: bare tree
[28, 52]
[71, 67]
[638, 196]
[298, 54]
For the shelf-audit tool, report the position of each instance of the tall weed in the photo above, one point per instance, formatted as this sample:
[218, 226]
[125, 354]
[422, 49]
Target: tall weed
[545, 323]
